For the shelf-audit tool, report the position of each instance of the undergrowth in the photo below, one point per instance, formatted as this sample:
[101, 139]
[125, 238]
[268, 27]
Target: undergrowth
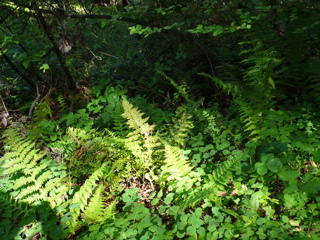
[169, 182]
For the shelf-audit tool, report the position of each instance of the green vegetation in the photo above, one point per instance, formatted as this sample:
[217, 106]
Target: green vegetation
[167, 119]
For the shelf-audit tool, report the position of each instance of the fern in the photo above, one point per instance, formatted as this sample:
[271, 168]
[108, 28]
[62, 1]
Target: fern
[229, 87]
[13, 217]
[181, 88]
[220, 176]
[96, 211]
[251, 117]
[41, 120]
[177, 170]
[37, 181]
[81, 198]
[62, 101]
[178, 132]
[100, 147]
[260, 86]
[140, 141]
[119, 122]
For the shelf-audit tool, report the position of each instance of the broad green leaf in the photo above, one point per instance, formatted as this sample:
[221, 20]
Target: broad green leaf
[25, 63]
[160, 194]
[230, 212]
[44, 67]
[254, 201]
[261, 168]
[191, 230]
[274, 164]
[168, 198]
[155, 201]
[198, 212]
[75, 205]
[266, 157]
[286, 173]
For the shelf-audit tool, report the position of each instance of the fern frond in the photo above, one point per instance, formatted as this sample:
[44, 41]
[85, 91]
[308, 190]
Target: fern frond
[96, 211]
[260, 85]
[83, 196]
[182, 89]
[119, 122]
[62, 101]
[251, 117]
[135, 118]
[220, 176]
[20, 161]
[78, 135]
[177, 169]
[140, 141]
[229, 87]
[37, 179]
[110, 211]
[178, 132]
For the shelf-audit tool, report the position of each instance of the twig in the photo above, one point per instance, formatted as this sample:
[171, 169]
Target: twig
[34, 102]
[110, 55]
[4, 105]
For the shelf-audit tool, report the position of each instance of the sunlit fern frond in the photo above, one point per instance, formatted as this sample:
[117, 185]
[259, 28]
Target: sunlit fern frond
[97, 211]
[81, 198]
[177, 171]
[141, 141]
[36, 180]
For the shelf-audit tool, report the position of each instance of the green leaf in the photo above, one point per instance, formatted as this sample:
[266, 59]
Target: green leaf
[286, 173]
[200, 27]
[311, 187]
[75, 205]
[191, 230]
[181, 225]
[160, 194]
[266, 157]
[230, 212]
[274, 164]
[223, 145]
[254, 201]
[44, 67]
[25, 63]
[203, 149]
[168, 198]
[184, 217]
[198, 212]
[155, 201]
[285, 219]
[261, 168]
[261, 221]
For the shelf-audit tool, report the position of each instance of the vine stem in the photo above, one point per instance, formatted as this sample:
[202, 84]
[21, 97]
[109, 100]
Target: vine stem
[4, 105]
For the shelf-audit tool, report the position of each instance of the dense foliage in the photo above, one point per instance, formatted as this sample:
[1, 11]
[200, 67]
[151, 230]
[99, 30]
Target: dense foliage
[166, 119]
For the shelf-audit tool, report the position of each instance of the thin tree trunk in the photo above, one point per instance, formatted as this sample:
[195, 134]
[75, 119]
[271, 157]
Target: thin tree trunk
[70, 81]
[16, 69]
